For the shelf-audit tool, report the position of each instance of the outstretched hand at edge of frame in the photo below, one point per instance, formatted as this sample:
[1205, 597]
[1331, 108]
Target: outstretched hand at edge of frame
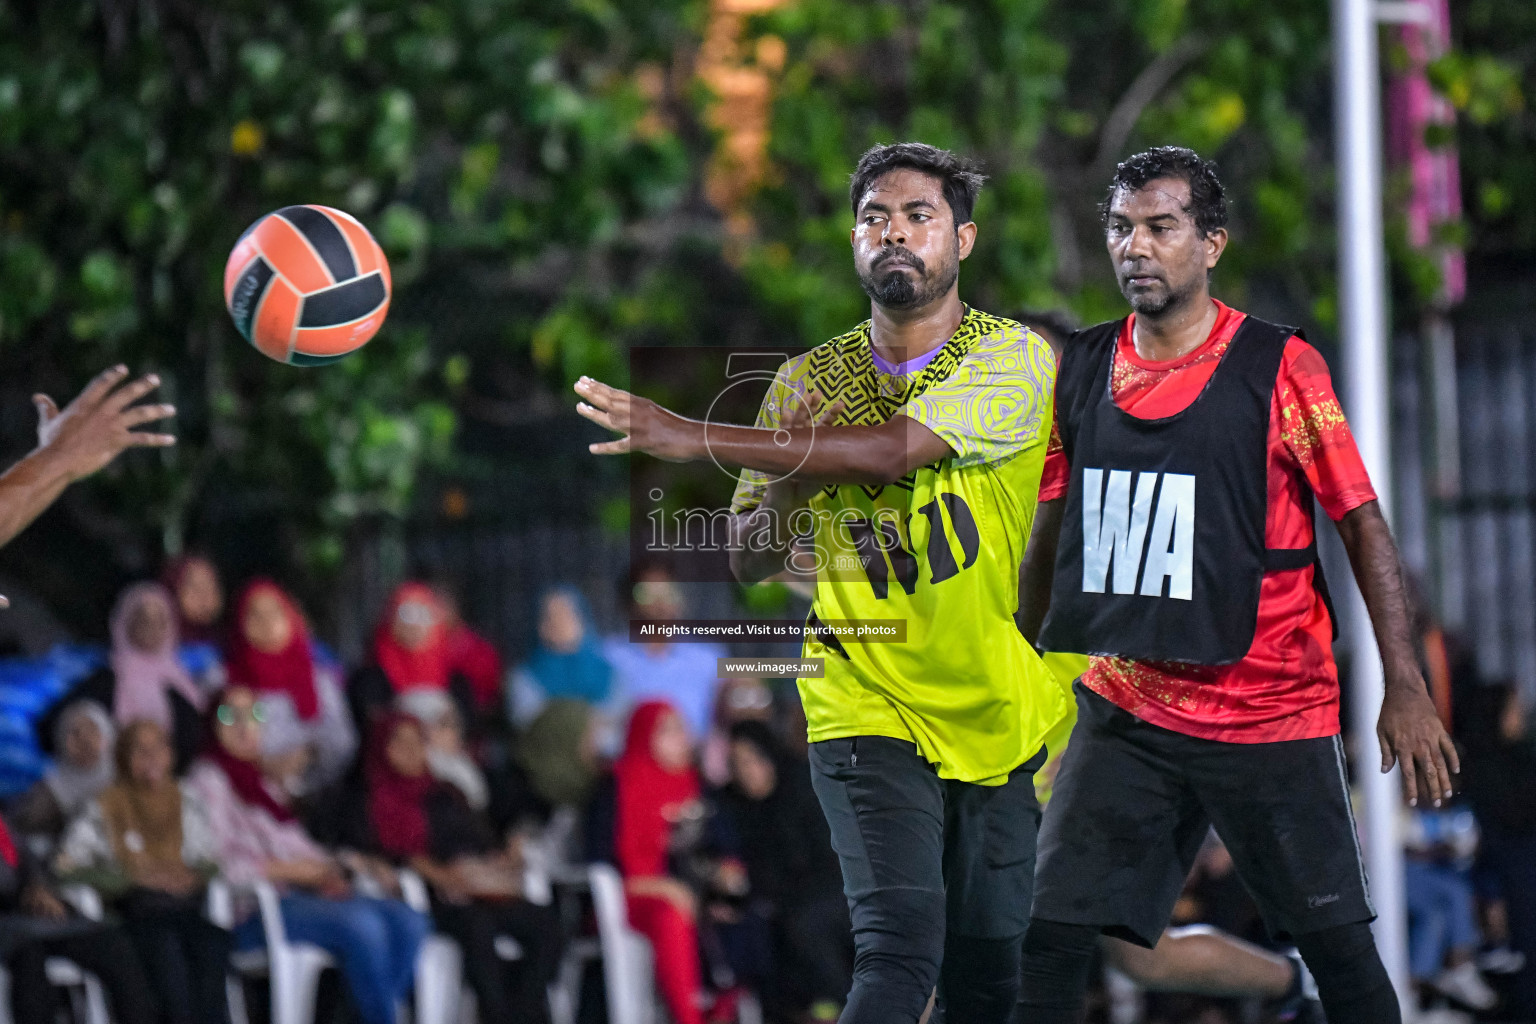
[88, 433]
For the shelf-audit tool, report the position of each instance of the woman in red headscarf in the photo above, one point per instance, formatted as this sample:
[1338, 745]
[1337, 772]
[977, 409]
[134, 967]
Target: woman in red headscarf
[198, 598]
[193, 581]
[308, 741]
[470, 654]
[655, 796]
[411, 651]
[475, 881]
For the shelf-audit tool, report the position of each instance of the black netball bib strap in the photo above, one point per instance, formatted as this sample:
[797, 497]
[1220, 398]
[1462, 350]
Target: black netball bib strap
[1320, 584]
[1084, 368]
[1283, 559]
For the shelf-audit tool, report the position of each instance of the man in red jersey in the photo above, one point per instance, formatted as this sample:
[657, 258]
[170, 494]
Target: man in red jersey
[1175, 545]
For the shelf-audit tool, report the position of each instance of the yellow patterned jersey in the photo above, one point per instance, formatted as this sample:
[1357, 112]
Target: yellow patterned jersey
[938, 550]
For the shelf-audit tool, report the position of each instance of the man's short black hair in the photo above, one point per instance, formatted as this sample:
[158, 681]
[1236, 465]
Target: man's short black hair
[960, 176]
[1207, 197]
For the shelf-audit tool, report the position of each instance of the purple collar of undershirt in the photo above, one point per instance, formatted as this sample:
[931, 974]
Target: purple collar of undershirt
[910, 366]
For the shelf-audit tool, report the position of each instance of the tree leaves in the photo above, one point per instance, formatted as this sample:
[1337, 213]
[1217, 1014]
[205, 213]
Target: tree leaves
[138, 141]
[535, 171]
[1051, 95]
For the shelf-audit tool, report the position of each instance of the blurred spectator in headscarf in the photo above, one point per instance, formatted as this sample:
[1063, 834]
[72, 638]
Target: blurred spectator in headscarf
[194, 582]
[199, 600]
[739, 699]
[375, 941]
[794, 878]
[681, 673]
[556, 768]
[653, 810]
[559, 752]
[308, 738]
[1500, 777]
[567, 660]
[470, 654]
[148, 679]
[409, 652]
[446, 754]
[146, 845]
[476, 882]
[83, 735]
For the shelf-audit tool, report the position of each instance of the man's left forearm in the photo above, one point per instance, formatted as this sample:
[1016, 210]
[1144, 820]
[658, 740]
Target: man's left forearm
[1408, 729]
[846, 455]
[27, 488]
[1378, 570]
[878, 454]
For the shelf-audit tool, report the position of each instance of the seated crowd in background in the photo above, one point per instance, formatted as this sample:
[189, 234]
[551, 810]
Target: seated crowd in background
[237, 747]
[234, 749]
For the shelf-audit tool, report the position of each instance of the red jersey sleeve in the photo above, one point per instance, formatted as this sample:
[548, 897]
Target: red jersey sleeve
[1315, 434]
[1053, 479]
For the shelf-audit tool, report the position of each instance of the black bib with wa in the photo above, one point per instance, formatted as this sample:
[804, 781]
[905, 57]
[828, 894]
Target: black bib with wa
[1162, 540]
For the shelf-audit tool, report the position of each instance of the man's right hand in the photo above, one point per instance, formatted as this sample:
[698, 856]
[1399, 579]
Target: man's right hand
[98, 425]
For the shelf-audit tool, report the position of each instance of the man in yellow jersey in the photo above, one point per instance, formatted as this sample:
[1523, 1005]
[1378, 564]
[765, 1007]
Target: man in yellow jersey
[929, 434]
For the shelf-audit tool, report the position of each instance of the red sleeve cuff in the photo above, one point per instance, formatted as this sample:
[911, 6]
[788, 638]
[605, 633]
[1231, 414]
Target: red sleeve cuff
[1343, 503]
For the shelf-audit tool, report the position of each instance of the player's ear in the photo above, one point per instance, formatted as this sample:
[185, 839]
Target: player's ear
[1215, 245]
[853, 236]
[966, 233]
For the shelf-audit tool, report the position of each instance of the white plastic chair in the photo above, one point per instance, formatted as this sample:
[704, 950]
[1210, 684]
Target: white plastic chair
[448, 959]
[628, 964]
[440, 994]
[220, 909]
[88, 1002]
[292, 969]
[628, 961]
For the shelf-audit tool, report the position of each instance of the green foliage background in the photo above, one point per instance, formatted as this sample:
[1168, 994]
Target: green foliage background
[534, 169]
[1051, 95]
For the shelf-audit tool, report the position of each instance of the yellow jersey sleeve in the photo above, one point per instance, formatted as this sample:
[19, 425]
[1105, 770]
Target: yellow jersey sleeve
[996, 403]
[752, 484]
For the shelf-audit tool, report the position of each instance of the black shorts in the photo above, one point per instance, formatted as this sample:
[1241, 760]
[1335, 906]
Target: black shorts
[899, 828]
[1132, 805]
